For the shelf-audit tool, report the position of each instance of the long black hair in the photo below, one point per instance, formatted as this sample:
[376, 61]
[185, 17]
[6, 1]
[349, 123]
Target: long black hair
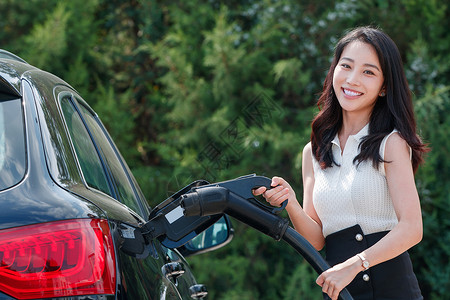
[392, 111]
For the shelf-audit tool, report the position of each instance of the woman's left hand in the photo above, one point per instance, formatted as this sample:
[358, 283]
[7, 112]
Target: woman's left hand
[335, 279]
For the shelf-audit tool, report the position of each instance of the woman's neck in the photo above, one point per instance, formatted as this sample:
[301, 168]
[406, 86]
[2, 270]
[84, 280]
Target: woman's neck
[350, 126]
[353, 123]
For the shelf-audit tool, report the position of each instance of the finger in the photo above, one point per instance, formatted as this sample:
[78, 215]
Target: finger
[328, 286]
[330, 291]
[277, 181]
[280, 197]
[270, 193]
[325, 287]
[259, 191]
[320, 280]
[336, 292]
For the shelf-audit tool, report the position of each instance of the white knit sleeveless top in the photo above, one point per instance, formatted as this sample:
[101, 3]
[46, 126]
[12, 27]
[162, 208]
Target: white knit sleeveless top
[351, 194]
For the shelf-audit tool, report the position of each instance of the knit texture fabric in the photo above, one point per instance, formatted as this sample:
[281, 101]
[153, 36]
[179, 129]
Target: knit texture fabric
[351, 194]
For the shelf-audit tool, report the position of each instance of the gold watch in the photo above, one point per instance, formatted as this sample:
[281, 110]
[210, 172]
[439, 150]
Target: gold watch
[364, 262]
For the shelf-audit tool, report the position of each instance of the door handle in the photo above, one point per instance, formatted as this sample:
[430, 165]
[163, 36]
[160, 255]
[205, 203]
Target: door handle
[173, 270]
[198, 291]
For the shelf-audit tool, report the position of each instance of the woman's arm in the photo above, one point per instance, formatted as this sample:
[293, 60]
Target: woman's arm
[305, 220]
[408, 231]
[403, 192]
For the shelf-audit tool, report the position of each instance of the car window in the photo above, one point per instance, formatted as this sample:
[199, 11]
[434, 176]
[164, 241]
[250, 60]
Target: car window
[122, 180]
[12, 141]
[89, 161]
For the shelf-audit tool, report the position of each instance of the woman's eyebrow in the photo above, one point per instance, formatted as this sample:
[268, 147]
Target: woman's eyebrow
[366, 64]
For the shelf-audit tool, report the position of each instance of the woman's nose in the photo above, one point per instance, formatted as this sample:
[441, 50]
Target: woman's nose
[352, 78]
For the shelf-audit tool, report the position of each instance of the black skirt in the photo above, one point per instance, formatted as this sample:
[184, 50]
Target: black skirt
[393, 279]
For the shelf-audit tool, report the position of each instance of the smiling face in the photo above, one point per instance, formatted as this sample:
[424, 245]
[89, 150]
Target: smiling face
[358, 78]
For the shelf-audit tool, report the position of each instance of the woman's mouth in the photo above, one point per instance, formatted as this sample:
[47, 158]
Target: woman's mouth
[351, 93]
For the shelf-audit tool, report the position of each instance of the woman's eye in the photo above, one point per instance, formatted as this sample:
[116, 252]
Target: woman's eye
[369, 72]
[345, 66]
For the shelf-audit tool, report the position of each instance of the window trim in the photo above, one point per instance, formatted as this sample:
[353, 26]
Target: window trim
[77, 101]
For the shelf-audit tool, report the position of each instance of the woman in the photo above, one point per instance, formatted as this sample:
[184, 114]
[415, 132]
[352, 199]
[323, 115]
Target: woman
[360, 200]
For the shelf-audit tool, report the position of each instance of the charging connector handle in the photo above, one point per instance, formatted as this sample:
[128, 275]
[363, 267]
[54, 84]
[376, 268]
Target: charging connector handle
[204, 201]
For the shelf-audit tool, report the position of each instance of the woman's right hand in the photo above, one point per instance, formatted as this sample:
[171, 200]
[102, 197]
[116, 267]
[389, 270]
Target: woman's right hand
[309, 227]
[280, 192]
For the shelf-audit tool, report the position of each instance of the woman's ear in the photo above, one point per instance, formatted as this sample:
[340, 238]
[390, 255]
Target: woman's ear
[382, 92]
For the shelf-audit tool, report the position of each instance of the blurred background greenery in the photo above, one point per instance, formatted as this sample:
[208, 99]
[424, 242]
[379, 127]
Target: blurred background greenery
[215, 90]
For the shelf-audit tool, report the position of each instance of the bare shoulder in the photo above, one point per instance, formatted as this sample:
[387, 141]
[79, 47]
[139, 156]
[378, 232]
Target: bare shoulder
[307, 162]
[307, 149]
[396, 148]
[307, 154]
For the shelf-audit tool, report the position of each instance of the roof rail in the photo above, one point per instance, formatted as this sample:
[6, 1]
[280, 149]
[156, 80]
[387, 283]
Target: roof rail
[9, 55]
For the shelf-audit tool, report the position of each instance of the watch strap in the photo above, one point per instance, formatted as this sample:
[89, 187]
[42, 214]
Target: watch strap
[364, 262]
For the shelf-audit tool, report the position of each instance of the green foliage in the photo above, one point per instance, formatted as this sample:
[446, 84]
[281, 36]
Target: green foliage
[116, 112]
[244, 267]
[301, 284]
[433, 253]
[47, 42]
[202, 89]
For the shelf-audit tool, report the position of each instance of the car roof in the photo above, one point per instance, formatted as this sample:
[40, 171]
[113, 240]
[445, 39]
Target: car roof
[12, 68]
[9, 55]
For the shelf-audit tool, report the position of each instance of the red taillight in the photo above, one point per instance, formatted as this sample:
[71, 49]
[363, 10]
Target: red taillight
[56, 259]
